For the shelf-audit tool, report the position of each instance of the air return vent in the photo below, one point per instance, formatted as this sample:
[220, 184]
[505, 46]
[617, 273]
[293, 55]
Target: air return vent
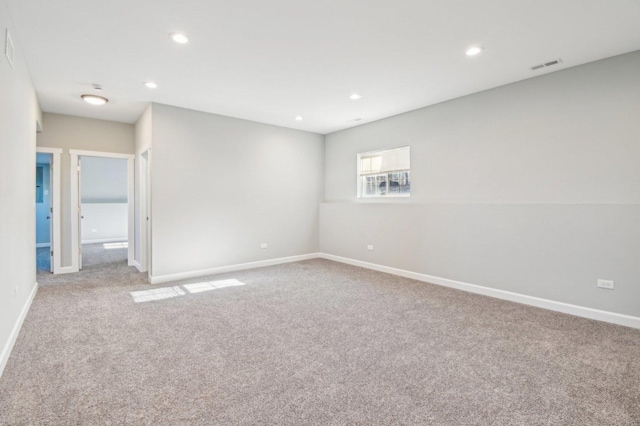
[546, 64]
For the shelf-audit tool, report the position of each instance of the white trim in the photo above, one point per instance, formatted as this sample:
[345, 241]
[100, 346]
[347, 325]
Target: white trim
[40, 245]
[106, 240]
[47, 150]
[56, 214]
[8, 347]
[131, 205]
[143, 148]
[83, 153]
[239, 267]
[66, 270]
[75, 221]
[137, 265]
[580, 311]
[144, 211]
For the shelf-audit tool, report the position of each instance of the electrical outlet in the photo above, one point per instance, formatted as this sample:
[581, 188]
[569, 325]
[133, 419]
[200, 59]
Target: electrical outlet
[370, 247]
[264, 245]
[605, 284]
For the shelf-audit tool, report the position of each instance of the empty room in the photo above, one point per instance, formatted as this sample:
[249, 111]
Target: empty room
[296, 212]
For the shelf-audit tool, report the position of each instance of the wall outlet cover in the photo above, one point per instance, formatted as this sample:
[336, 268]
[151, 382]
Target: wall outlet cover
[605, 284]
[264, 245]
[370, 247]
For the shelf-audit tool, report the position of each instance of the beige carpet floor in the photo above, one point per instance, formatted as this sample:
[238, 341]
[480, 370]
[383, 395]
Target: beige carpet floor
[313, 342]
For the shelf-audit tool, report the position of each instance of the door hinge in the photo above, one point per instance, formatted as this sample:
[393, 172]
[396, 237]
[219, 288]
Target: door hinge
[51, 252]
[51, 209]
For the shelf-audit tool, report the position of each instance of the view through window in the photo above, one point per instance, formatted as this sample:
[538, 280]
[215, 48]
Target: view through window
[385, 173]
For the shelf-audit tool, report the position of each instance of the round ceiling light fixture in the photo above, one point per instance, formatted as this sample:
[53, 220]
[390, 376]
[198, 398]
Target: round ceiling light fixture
[474, 50]
[299, 118]
[355, 96]
[94, 99]
[179, 38]
[151, 85]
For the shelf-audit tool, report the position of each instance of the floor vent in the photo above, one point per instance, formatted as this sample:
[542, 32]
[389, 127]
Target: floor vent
[547, 64]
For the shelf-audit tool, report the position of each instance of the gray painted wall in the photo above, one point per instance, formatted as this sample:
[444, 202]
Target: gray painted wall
[104, 180]
[19, 112]
[68, 132]
[532, 187]
[222, 186]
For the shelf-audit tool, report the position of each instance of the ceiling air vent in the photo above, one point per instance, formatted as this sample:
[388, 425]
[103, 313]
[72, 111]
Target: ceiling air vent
[546, 64]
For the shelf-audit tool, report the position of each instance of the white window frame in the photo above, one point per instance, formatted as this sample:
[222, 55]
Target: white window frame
[359, 185]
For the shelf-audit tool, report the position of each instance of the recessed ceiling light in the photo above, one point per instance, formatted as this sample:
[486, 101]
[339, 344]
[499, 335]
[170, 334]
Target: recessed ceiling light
[355, 96]
[94, 99]
[298, 118]
[151, 85]
[474, 50]
[179, 38]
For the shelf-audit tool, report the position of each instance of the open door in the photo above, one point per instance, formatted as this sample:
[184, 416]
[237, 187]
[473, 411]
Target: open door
[50, 216]
[80, 216]
[145, 212]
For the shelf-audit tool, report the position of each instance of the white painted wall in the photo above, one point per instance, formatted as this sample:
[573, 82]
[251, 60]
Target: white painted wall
[68, 132]
[532, 187]
[104, 222]
[222, 186]
[19, 114]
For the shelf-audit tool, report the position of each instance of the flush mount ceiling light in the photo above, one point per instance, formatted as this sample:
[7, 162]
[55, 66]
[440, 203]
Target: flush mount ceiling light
[298, 118]
[151, 85]
[355, 96]
[94, 99]
[179, 38]
[474, 50]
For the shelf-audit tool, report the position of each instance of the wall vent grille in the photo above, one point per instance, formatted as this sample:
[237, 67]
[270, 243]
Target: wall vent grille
[547, 64]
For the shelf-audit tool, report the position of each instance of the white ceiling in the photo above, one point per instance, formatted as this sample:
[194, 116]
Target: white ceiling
[270, 61]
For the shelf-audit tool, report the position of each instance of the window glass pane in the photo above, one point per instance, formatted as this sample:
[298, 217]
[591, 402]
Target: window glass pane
[39, 184]
[385, 173]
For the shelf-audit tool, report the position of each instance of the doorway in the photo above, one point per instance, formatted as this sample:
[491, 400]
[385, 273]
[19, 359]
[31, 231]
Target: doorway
[143, 216]
[102, 195]
[44, 210]
[47, 208]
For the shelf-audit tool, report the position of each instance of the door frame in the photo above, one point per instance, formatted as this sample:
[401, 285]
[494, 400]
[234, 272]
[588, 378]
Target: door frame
[75, 203]
[54, 194]
[144, 210]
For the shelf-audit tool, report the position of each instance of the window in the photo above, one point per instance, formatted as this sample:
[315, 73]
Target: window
[384, 173]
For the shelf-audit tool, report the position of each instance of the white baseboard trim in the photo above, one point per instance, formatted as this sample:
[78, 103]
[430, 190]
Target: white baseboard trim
[38, 245]
[106, 240]
[6, 351]
[219, 270]
[135, 263]
[580, 311]
[66, 270]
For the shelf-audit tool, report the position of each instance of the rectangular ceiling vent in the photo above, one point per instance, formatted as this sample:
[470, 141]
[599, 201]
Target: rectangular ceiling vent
[547, 64]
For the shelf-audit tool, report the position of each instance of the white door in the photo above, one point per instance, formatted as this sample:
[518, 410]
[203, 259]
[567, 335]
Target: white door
[50, 214]
[80, 217]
